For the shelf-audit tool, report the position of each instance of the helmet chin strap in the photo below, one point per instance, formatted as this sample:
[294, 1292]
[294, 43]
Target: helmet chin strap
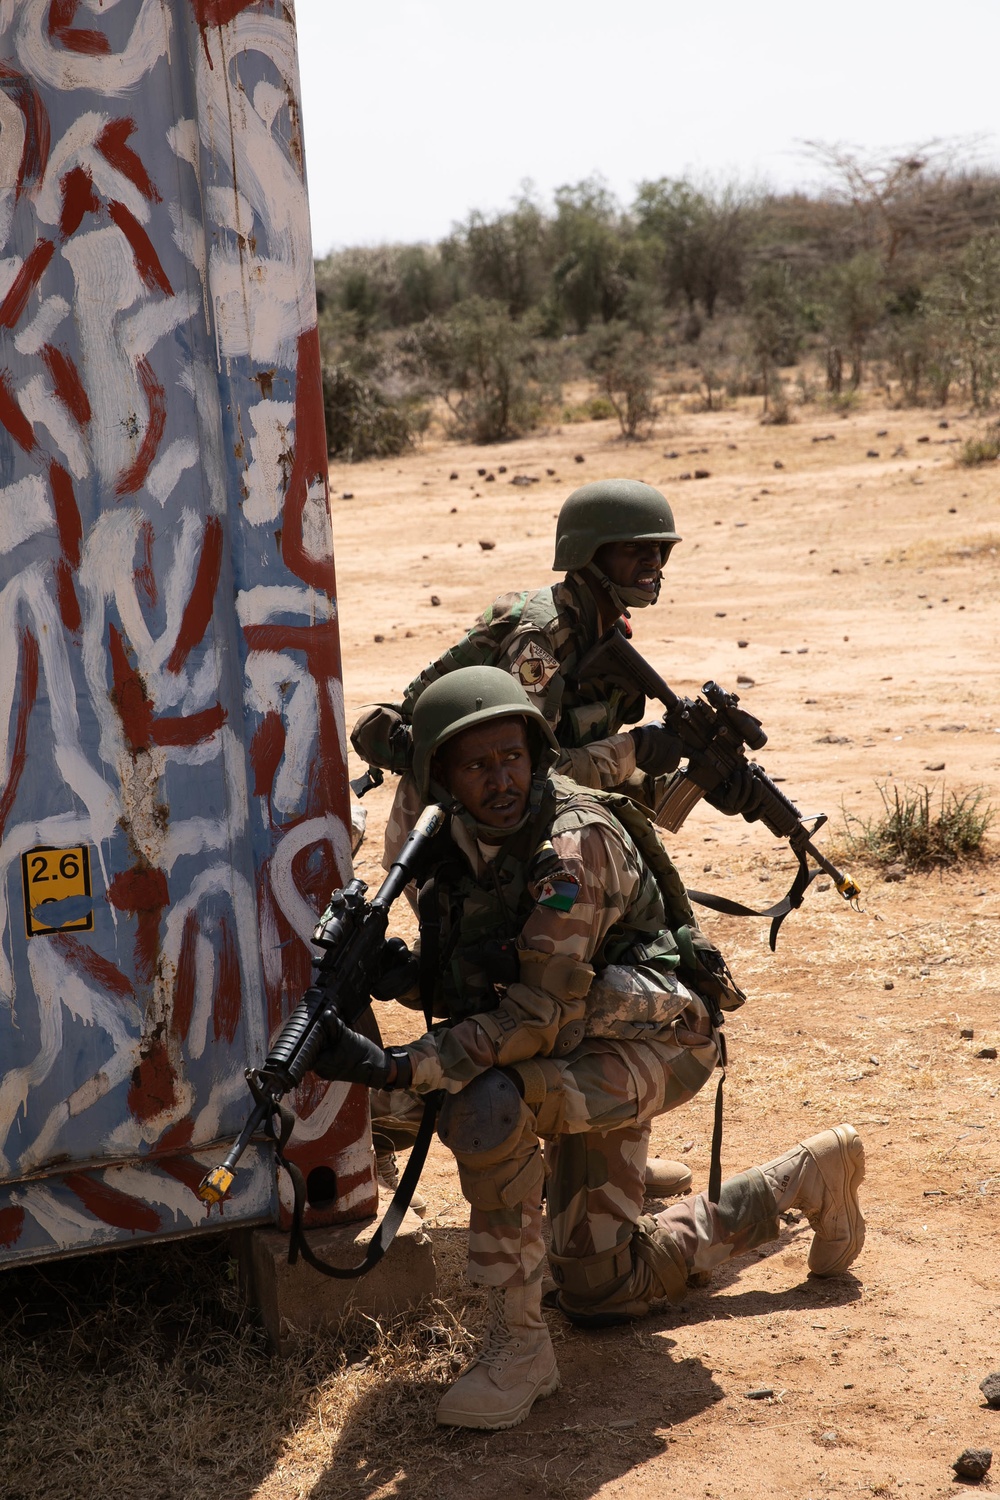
[621, 597]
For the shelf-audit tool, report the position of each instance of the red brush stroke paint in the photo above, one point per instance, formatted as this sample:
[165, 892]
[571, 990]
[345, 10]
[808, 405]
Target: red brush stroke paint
[25, 281]
[142, 891]
[175, 1138]
[198, 609]
[25, 703]
[67, 384]
[309, 466]
[11, 1224]
[152, 1090]
[12, 417]
[79, 198]
[327, 784]
[134, 476]
[227, 1000]
[184, 1169]
[184, 983]
[69, 604]
[68, 521]
[147, 262]
[266, 749]
[112, 143]
[110, 1205]
[145, 579]
[90, 43]
[189, 729]
[130, 697]
[81, 956]
[35, 151]
[218, 12]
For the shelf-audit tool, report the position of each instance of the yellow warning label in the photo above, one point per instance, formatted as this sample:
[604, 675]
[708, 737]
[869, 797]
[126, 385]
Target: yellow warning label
[60, 879]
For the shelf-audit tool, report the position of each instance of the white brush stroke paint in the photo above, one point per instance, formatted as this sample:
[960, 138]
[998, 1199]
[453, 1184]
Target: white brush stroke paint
[267, 676]
[78, 147]
[35, 335]
[25, 511]
[270, 440]
[266, 601]
[225, 1091]
[112, 74]
[199, 380]
[165, 475]
[157, 1188]
[43, 409]
[17, 1083]
[294, 907]
[204, 989]
[11, 143]
[8, 273]
[66, 1226]
[317, 532]
[301, 743]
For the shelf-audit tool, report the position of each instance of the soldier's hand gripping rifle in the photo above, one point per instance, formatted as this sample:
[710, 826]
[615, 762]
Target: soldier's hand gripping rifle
[350, 935]
[714, 733]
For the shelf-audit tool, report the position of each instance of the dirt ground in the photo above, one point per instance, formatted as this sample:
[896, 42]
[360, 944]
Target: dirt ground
[849, 568]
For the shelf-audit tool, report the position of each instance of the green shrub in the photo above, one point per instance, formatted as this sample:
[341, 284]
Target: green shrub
[361, 421]
[912, 831]
[981, 450]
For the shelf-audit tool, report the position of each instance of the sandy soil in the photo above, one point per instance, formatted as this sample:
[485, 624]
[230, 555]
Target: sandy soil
[849, 569]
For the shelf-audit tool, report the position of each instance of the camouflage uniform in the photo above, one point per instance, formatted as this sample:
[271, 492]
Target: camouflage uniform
[539, 638]
[594, 1028]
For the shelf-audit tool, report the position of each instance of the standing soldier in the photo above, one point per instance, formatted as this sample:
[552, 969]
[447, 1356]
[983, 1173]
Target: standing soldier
[613, 539]
[580, 1002]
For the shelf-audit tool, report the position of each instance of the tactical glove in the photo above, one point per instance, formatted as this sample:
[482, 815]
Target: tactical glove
[352, 1058]
[740, 794]
[398, 971]
[657, 751]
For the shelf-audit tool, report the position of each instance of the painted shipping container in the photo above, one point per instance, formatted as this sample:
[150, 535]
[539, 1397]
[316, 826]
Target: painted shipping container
[173, 798]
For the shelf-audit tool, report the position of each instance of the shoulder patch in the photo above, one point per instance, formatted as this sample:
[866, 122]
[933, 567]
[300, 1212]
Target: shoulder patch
[534, 667]
[559, 894]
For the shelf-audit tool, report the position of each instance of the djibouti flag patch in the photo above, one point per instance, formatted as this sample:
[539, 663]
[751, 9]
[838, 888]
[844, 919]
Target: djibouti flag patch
[559, 894]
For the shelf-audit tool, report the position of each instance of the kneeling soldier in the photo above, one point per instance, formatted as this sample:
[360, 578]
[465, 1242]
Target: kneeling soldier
[570, 968]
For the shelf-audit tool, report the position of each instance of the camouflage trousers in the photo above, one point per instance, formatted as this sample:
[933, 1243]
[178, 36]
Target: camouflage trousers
[580, 1130]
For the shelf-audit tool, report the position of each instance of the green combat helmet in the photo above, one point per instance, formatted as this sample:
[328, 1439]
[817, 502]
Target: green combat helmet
[611, 510]
[459, 699]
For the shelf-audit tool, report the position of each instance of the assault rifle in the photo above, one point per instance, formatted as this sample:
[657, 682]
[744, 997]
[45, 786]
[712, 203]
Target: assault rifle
[350, 934]
[714, 733]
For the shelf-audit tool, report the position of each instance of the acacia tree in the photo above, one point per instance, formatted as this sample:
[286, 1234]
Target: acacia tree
[702, 236]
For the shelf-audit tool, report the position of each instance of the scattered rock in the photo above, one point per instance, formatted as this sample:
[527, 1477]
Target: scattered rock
[378, 639]
[778, 464]
[923, 439]
[491, 479]
[742, 680]
[347, 495]
[802, 651]
[944, 424]
[990, 1388]
[502, 468]
[987, 1052]
[882, 432]
[671, 455]
[763, 1392]
[872, 453]
[702, 474]
[523, 480]
[486, 546]
[875, 1062]
[973, 1463]
[966, 1033]
[720, 614]
[894, 874]
[833, 739]
[899, 451]
[435, 599]
[937, 766]
[578, 458]
[824, 885]
[480, 472]
[452, 476]
[951, 729]
[888, 985]
[829, 1438]
[827, 437]
[688, 476]
[453, 511]
[953, 510]
[742, 645]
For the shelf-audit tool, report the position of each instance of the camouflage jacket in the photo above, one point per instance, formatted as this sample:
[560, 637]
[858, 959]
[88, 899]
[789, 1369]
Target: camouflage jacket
[525, 935]
[539, 637]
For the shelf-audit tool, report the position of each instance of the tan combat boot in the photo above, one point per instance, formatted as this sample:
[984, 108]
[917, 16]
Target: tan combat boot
[821, 1176]
[515, 1366]
[387, 1172]
[666, 1179]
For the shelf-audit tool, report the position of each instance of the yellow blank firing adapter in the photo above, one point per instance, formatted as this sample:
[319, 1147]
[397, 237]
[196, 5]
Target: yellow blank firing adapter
[848, 888]
[213, 1188]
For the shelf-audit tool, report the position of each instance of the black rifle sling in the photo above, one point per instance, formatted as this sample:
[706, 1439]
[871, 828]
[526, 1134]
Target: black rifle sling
[430, 937]
[778, 912]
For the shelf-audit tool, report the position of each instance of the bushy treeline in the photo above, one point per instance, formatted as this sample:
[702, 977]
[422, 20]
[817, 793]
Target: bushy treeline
[899, 264]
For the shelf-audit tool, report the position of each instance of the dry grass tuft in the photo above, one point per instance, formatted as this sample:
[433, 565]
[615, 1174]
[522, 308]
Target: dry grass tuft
[909, 831]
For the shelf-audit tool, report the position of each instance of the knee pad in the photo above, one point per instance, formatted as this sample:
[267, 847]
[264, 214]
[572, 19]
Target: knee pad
[499, 1162]
[615, 1286]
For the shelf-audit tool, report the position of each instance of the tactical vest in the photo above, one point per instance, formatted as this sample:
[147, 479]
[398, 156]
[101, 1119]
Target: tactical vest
[482, 918]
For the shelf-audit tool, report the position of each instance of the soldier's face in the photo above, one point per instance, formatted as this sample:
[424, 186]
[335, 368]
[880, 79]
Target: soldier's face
[633, 565]
[488, 769]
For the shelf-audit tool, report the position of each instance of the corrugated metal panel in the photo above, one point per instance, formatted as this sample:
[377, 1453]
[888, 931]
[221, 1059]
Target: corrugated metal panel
[174, 798]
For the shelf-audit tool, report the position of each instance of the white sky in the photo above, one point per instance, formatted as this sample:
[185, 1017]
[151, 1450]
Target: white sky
[416, 111]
